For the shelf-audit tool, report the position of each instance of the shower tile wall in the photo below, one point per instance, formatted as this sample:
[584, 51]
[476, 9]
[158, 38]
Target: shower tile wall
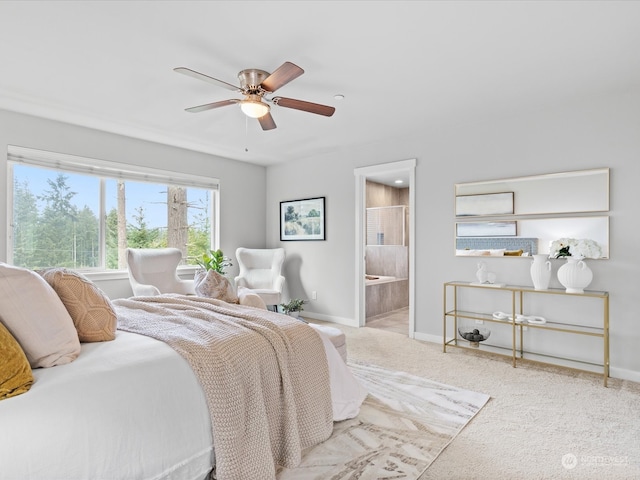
[387, 260]
[379, 195]
[386, 297]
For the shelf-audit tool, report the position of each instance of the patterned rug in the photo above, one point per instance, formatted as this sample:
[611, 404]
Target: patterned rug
[403, 425]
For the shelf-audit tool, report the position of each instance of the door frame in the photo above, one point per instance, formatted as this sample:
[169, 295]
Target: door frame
[361, 174]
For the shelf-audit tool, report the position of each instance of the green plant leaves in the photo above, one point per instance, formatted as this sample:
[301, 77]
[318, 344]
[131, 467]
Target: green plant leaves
[214, 260]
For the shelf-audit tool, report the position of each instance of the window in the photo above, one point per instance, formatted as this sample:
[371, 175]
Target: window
[83, 213]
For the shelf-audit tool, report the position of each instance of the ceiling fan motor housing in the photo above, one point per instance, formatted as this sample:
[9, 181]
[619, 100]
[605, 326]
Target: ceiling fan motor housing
[251, 79]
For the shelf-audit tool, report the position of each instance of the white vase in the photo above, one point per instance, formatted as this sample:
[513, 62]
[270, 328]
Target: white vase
[540, 272]
[575, 275]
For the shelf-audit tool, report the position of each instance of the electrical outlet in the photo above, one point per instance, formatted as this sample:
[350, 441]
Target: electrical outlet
[480, 322]
[314, 295]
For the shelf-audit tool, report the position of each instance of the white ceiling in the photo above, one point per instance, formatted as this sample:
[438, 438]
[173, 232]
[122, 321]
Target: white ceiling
[403, 66]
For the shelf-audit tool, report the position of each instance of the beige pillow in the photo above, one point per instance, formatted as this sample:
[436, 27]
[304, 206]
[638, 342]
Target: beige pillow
[90, 309]
[248, 298]
[34, 314]
[213, 285]
[15, 373]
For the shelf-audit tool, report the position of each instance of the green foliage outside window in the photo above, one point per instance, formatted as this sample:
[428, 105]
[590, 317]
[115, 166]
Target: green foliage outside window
[53, 228]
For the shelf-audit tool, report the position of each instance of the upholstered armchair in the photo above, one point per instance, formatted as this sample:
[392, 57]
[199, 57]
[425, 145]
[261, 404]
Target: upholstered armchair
[152, 271]
[261, 271]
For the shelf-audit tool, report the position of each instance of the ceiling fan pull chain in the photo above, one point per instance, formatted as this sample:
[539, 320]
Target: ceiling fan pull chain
[246, 133]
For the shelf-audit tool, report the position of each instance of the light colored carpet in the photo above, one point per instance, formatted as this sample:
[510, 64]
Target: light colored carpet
[540, 423]
[403, 425]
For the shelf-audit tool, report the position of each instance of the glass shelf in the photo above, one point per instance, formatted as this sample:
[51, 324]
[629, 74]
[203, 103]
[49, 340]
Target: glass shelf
[520, 331]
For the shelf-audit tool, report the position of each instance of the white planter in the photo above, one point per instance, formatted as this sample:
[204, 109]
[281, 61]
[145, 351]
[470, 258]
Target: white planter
[575, 275]
[540, 272]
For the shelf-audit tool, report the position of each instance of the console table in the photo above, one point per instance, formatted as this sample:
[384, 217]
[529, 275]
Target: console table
[515, 348]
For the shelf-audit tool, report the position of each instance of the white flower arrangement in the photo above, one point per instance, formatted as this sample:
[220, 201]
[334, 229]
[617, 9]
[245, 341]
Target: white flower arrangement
[572, 247]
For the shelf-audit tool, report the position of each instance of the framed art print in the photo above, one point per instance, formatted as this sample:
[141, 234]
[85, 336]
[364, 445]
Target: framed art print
[302, 219]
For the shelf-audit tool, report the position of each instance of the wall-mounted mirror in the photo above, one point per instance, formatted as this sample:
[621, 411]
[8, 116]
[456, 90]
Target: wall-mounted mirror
[529, 236]
[522, 216]
[567, 192]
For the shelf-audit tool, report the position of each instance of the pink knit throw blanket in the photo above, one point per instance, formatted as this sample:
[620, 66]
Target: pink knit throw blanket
[265, 377]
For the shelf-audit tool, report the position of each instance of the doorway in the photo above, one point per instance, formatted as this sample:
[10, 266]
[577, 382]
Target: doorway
[374, 242]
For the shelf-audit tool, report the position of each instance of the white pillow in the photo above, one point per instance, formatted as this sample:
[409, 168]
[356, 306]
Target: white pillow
[472, 253]
[213, 285]
[248, 298]
[36, 317]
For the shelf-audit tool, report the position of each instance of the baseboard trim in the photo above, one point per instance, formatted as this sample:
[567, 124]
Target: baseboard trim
[349, 322]
[619, 373]
[427, 337]
[624, 374]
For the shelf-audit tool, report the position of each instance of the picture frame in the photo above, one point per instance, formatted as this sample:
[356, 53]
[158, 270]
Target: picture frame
[484, 204]
[486, 229]
[303, 220]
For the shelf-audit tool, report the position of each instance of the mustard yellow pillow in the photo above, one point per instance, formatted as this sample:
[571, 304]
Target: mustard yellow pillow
[90, 309]
[15, 372]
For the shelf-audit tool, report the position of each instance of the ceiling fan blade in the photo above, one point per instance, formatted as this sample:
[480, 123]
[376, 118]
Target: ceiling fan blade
[283, 75]
[267, 122]
[209, 106]
[304, 106]
[201, 76]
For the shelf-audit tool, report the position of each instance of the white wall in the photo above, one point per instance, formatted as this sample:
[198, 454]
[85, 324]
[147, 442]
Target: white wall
[242, 219]
[597, 132]
[601, 131]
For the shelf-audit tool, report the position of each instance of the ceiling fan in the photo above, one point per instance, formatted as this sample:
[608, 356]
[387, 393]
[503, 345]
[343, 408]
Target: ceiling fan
[257, 86]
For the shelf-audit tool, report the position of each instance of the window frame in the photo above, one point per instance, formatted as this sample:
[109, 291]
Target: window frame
[103, 170]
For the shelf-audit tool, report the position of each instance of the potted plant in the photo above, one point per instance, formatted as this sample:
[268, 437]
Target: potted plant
[214, 260]
[293, 307]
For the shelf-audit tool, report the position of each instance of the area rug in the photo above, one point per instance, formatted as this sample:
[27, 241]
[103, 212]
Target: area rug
[403, 425]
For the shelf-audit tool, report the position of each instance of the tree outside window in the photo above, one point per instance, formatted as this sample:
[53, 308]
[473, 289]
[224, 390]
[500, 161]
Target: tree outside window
[57, 219]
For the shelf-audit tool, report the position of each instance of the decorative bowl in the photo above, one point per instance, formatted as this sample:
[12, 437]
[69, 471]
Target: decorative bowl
[474, 335]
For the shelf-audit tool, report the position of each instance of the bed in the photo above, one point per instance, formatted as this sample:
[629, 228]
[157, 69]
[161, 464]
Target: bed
[135, 407]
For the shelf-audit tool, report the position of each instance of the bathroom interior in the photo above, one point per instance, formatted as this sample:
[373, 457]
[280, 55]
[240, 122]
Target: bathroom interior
[387, 257]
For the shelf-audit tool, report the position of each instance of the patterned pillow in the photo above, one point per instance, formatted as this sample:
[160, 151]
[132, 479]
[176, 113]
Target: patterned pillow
[15, 372]
[213, 285]
[91, 310]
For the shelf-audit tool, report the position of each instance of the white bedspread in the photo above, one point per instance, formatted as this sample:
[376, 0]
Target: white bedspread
[128, 409]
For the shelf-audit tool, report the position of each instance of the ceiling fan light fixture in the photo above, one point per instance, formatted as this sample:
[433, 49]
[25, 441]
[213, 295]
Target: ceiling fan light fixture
[254, 108]
[254, 85]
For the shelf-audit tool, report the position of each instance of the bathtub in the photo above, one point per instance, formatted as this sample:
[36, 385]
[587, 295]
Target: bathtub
[385, 294]
[377, 279]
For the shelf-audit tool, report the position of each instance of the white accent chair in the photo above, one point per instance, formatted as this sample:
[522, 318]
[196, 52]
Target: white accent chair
[261, 271]
[152, 271]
